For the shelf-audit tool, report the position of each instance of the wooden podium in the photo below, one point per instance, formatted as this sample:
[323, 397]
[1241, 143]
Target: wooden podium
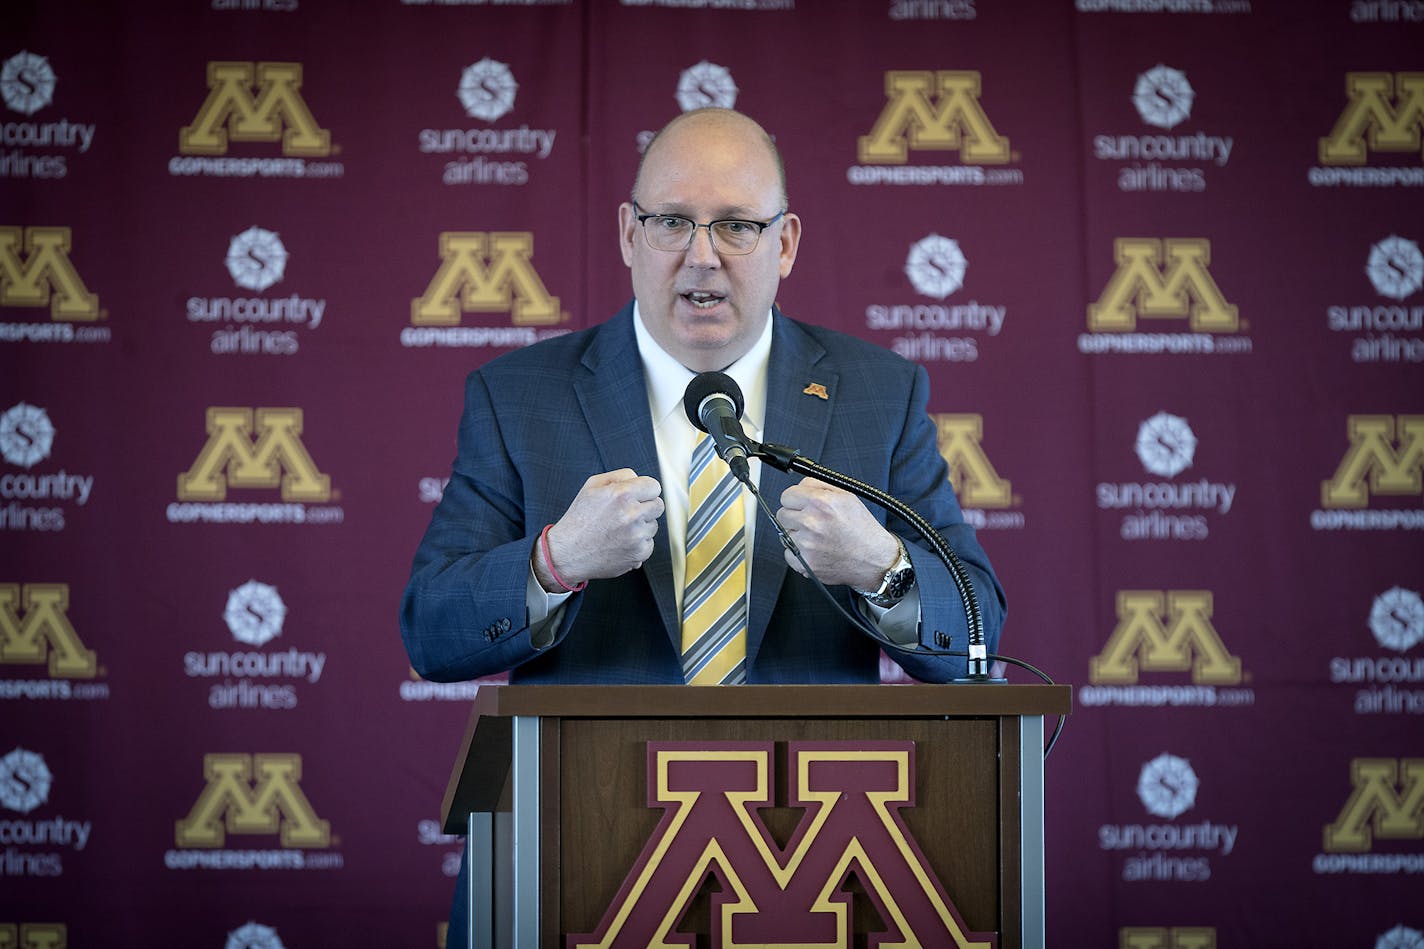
[567, 769]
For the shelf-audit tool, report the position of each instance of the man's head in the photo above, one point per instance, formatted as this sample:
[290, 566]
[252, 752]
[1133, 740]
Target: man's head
[703, 305]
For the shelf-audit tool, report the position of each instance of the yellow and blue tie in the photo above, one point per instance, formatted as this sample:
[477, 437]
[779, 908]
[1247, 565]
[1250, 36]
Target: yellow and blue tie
[714, 599]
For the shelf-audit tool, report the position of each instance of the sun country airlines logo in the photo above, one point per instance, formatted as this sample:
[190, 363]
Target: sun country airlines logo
[1174, 851]
[258, 677]
[1168, 638]
[1172, 509]
[1390, 682]
[484, 273]
[702, 85]
[986, 497]
[260, 107]
[258, 798]
[271, 324]
[936, 331]
[1394, 267]
[713, 794]
[487, 154]
[41, 649]
[933, 115]
[1380, 827]
[1166, 281]
[1384, 458]
[1376, 141]
[1168, 159]
[254, 450]
[35, 845]
[38, 496]
[42, 148]
[38, 279]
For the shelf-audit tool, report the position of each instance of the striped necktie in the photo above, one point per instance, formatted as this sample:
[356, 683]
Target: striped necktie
[714, 599]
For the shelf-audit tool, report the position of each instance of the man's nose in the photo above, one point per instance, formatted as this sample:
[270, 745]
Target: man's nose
[701, 252]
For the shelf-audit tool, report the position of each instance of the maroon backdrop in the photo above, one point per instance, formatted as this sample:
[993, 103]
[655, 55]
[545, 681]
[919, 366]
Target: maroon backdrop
[1160, 257]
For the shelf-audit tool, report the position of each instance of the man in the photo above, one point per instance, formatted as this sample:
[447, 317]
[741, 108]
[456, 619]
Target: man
[557, 551]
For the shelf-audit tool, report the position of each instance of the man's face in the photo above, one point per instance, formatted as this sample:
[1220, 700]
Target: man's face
[704, 308]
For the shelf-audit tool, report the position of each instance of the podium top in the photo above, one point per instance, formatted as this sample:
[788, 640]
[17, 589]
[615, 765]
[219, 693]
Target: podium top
[772, 701]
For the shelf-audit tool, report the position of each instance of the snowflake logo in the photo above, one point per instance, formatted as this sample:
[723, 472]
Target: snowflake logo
[487, 89]
[24, 780]
[1397, 619]
[936, 266]
[706, 85]
[1163, 96]
[26, 435]
[255, 613]
[27, 83]
[1167, 786]
[256, 258]
[1165, 445]
[1395, 267]
[253, 936]
[1401, 937]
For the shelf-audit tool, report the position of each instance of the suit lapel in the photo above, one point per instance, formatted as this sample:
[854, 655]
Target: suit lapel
[614, 397]
[798, 419]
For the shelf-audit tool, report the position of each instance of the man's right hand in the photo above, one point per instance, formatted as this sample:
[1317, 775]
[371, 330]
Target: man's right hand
[607, 530]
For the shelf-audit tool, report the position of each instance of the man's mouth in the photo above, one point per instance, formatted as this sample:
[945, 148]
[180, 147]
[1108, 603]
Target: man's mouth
[703, 300]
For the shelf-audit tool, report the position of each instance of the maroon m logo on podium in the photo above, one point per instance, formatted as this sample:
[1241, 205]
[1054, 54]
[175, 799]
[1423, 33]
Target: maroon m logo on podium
[795, 896]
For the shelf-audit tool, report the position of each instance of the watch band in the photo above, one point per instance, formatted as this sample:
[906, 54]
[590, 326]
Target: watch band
[896, 583]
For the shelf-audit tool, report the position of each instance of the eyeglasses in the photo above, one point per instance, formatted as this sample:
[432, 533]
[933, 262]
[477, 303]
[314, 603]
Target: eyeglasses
[674, 233]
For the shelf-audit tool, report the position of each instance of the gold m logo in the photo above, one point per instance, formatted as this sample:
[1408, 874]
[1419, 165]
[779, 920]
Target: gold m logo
[34, 936]
[232, 456]
[1385, 110]
[1372, 463]
[1159, 937]
[970, 471]
[713, 794]
[953, 120]
[276, 112]
[44, 632]
[253, 794]
[485, 273]
[1164, 631]
[1160, 279]
[1388, 800]
[35, 270]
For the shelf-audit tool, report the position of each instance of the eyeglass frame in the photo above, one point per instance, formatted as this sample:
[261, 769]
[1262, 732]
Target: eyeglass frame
[761, 227]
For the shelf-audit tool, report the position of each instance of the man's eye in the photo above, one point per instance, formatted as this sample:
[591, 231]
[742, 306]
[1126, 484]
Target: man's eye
[736, 228]
[671, 223]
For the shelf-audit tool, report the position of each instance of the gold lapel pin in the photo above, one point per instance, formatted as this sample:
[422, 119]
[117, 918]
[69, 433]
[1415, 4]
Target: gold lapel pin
[816, 389]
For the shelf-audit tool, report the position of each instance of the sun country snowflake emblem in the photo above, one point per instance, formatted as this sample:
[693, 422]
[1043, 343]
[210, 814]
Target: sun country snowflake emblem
[487, 89]
[1395, 267]
[26, 435]
[1165, 445]
[253, 936]
[256, 258]
[1397, 619]
[255, 613]
[706, 85]
[1167, 786]
[27, 83]
[1163, 97]
[24, 781]
[936, 266]
[1401, 937]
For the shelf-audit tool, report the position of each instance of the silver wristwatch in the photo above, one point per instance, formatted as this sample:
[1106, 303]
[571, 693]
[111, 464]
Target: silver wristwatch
[896, 582]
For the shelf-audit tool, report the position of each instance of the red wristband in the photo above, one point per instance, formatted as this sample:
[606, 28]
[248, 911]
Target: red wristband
[549, 562]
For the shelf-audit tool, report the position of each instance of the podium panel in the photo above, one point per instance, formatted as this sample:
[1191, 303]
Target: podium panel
[753, 807]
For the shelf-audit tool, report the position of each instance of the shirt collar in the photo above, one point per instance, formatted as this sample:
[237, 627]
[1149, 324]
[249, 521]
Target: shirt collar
[668, 378]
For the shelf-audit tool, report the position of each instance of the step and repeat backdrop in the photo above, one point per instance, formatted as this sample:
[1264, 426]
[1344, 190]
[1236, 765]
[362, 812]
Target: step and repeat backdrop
[1161, 258]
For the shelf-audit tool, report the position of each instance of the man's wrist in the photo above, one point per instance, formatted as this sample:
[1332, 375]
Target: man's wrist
[896, 582]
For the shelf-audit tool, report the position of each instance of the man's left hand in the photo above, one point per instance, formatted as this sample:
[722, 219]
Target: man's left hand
[840, 539]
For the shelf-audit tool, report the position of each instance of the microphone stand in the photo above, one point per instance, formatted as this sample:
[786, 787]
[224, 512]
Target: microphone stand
[791, 460]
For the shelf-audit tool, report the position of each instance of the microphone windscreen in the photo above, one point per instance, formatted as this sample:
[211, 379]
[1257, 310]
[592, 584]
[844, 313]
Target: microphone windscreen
[705, 384]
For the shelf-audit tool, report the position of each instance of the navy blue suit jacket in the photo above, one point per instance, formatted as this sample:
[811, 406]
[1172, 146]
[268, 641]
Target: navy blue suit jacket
[539, 421]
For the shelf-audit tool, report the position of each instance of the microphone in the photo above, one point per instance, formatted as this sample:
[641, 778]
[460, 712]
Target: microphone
[713, 402]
